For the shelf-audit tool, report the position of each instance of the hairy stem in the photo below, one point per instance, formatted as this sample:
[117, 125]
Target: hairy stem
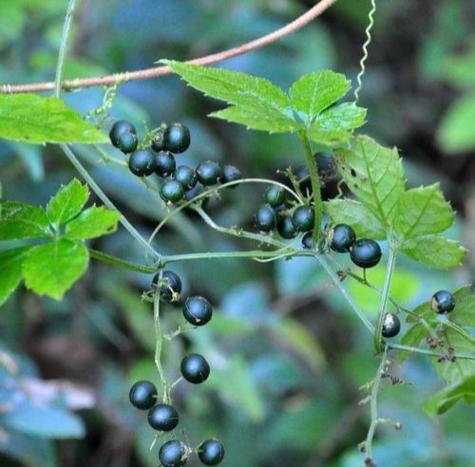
[114, 260]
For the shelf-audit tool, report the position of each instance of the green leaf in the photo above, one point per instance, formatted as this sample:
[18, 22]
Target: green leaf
[464, 312]
[315, 92]
[423, 211]
[35, 119]
[93, 222]
[67, 202]
[455, 133]
[10, 265]
[413, 338]
[358, 216]
[51, 269]
[435, 251]
[21, 220]
[374, 174]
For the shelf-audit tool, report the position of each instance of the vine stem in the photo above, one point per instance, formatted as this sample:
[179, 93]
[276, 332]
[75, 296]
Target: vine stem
[407, 348]
[315, 181]
[155, 72]
[114, 260]
[225, 254]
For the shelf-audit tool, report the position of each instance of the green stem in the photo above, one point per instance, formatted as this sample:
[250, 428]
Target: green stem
[159, 341]
[110, 259]
[315, 181]
[406, 348]
[460, 331]
[378, 343]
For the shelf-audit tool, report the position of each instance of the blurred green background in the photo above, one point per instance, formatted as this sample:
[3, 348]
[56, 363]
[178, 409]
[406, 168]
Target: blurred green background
[287, 355]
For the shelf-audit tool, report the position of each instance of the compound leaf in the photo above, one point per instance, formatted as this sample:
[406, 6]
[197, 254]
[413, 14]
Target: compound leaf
[91, 223]
[20, 220]
[10, 265]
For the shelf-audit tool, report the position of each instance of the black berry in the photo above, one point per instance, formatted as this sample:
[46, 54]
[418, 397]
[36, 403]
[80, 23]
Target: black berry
[308, 242]
[172, 191]
[171, 289]
[274, 195]
[365, 253]
[143, 395]
[197, 310]
[142, 162]
[194, 192]
[209, 172]
[163, 417]
[342, 237]
[186, 176]
[158, 143]
[123, 135]
[326, 165]
[231, 174]
[195, 369]
[443, 302]
[391, 325]
[165, 164]
[211, 452]
[265, 218]
[176, 138]
[172, 454]
[286, 227]
[303, 218]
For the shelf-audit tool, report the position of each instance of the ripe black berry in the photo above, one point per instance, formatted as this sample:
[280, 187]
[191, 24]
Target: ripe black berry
[195, 369]
[326, 165]
[163, 417]
[274, 195]
[391, 325]
[143, 395]
[142, 162]
[172, 454]
[172, 191]
[341, 238]
[165, 164]
[209, 172]
[186, 176]
[308, 242]
[171, 289]
[123, 135]
[443, 302]
[365, 253]
[211, 452]
[194, 192]
[231, 174]
[265, 218]
[176, 138]
[197, 310]
[303, 218]
[286, 227]
[157, 141]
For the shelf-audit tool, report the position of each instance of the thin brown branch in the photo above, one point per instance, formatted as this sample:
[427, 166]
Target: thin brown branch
[155, 72]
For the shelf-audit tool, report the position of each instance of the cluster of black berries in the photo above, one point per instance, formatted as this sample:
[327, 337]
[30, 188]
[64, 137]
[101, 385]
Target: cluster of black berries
[195, 369]
[182, 182]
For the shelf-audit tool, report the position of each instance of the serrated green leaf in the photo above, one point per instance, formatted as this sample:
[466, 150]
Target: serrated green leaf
[257, 118]
[359, 217]
[10, 265]
[435, 251]
[423, 211]
[37, 120]
[93, 222]
[464, 312]
[413, 338]
[51, 269]
[67, 202]
[315, 92]
[374, 174]
[20, 220]
[455, 133]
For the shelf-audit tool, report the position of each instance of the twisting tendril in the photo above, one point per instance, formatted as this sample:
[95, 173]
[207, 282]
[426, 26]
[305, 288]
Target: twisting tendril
[365, 50]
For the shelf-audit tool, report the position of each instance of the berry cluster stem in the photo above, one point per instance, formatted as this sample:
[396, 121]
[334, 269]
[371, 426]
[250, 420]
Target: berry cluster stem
[315, 181]
[159, 342]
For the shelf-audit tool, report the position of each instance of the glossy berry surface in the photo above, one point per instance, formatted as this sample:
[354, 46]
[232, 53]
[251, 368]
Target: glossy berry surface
[303, 218]
[171, 288]
[118, 130]
[443, 302]
[163, 417]
[209, 172]
[231, 174]
[172, 454]
[127, 142]
[342, 238]
[211, 452]
[326, 165]
[197, 310]
[286, 227]
[274, 195]
[172, 191]
[176, 138]
[186, 176]
[143, 395]
[194, 192]
[391, 325]
[157, 141]
[194, 368]
[265, 218]
[308, 242]
[365, 253]
[165, 164]
[142, 162]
